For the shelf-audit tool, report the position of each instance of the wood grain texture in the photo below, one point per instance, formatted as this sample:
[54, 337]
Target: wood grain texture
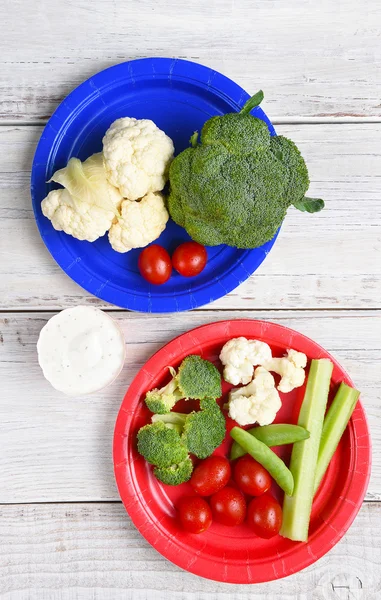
[312, 59]
[56, 448]
[94, 552]
[328, 260]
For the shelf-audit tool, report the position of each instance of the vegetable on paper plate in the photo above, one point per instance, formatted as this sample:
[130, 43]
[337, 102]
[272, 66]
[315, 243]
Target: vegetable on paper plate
[155, 264]
[257, 402]
[202, 431]
[196, 379]
[239, 357]
[137, 155]
[297, 509]
[228, 506]
[278, 434]
[211, 475]
[251, 477]
[87, 205]
[266, 457]
[335, 422]
[234, 187]
[264, 516]
[81, 350]
[290, 367]
[140, 223]
[194, 514]
[189, 259]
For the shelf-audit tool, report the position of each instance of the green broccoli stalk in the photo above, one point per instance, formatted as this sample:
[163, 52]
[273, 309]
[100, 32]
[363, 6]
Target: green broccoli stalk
[196, 379]
[160, 445]
[202, 431]
[234, 186]
[163, 400]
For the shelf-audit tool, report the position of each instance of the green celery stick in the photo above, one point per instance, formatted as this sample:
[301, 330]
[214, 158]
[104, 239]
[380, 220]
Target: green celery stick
[297, 508]
[335, 422]
[277, 434]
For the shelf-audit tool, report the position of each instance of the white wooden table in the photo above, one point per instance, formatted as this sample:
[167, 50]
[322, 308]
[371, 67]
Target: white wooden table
[64, 533]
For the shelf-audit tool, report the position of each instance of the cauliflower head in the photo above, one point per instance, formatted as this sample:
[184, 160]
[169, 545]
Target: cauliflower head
[140, 224]
[87, 223]
[240, 355]
[87, 205]
[257, 402]
[291, 368]
[137, 155]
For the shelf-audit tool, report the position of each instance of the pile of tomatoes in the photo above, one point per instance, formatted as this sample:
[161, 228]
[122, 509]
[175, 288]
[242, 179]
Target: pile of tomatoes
[155, 264]
[227, 504]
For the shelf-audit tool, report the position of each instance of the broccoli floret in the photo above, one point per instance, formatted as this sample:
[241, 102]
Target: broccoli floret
[162, 400]
[235, 186]
[205, 429]
[175, 474]
[196, 379]
[160, 445]
[202, 431]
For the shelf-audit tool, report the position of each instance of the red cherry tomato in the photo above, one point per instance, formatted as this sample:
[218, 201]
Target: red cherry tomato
[195, 514]
[211, 475]
[155, 264]
[228, 506]
[251, 477]
[264, 516]
[189, 259]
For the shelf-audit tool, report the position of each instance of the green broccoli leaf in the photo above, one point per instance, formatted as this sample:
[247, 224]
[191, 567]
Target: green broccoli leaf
[310, 205]
[194, 139]
[252, 103]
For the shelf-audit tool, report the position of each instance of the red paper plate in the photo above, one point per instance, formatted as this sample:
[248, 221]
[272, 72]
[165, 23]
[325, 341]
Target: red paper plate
[234, 554]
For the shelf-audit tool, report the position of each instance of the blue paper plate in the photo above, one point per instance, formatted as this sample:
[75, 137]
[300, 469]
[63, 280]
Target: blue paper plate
[179, 96]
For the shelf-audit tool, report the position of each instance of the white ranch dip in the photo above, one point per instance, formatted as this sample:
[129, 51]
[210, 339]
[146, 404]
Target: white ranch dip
[81, 350]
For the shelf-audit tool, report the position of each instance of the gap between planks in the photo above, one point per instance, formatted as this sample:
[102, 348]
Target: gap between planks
[343, 120]
[371, 499]
[117, 310]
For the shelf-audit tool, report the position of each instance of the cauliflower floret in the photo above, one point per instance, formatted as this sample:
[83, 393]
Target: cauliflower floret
[137, 155]
[84, 221]
[257, 402]
[141, 223]
[88, 204]
[239, 356]
[291, 368]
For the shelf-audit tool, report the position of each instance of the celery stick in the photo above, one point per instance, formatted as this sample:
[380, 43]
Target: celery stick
[297, 508]
[334, 425]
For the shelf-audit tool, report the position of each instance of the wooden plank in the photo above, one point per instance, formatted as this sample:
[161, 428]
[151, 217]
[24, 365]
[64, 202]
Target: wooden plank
[328, 260]
[316, 59]
[93, 551]
[56, 448]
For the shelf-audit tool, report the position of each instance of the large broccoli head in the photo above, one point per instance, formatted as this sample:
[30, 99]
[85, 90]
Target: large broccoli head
[235, 186]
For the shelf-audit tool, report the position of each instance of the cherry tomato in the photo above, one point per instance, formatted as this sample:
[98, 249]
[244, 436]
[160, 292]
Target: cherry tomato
[228, 506]
[155, 264]
[189, 259]
[251, 477]
[210, 475]
[195, 514]
[264, 516]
